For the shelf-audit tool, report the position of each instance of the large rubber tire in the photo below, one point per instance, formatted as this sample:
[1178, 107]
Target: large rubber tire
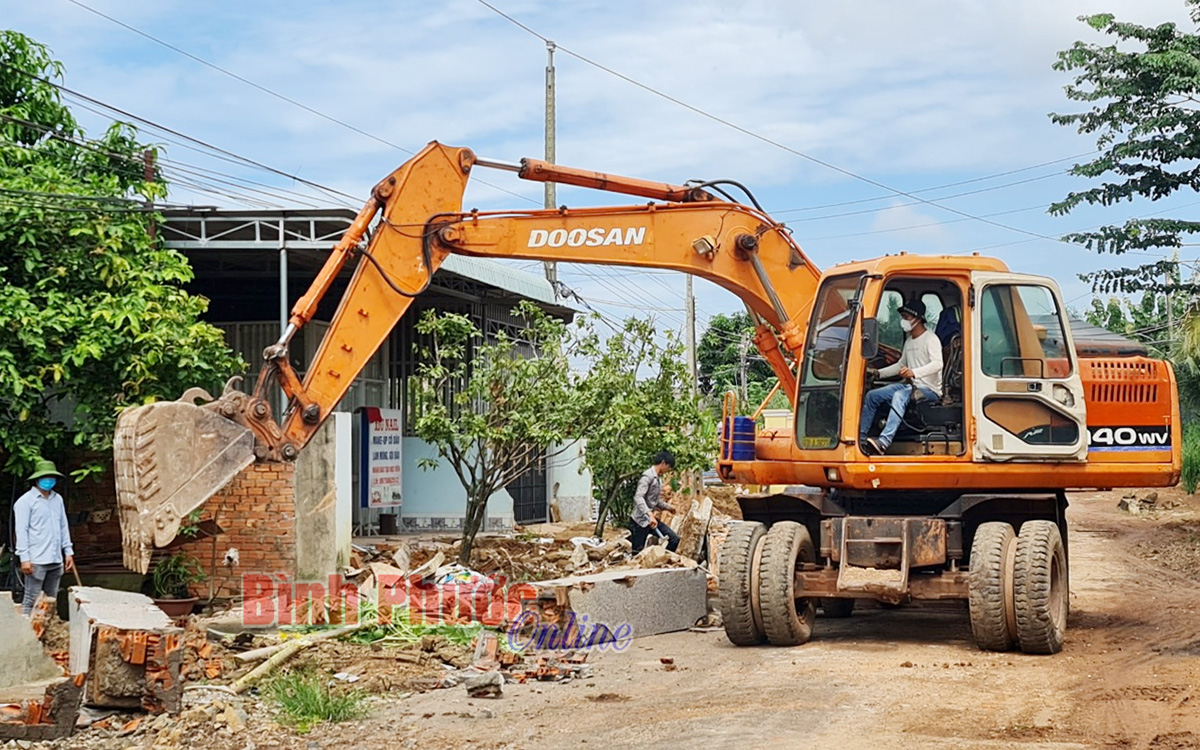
[837, 608]
[735, 589]
[1041, 591]
[987, 584]
[788, 621]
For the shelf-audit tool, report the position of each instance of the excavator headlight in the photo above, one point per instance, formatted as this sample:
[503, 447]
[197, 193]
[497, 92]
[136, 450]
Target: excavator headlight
[832, 474]
[706, 246]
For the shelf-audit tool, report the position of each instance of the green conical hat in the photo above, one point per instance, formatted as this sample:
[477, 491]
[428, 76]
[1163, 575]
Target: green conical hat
[44, 468]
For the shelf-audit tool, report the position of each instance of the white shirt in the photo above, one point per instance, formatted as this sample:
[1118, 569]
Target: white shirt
[922, 355]
[42, 535]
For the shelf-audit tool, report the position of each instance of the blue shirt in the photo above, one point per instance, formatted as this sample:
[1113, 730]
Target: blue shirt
[42, 535]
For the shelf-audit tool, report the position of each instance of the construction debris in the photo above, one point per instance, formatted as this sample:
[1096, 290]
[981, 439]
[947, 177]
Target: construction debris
[615, 605]
[129, 648]
[1136, 506]
[485, 685]
[37, 702]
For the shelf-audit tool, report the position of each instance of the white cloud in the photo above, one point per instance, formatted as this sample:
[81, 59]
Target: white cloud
[912, 94]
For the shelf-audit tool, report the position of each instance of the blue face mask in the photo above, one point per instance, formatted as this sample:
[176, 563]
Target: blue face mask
[47, 483]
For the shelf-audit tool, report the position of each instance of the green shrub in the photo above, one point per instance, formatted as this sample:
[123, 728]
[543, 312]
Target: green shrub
[305, 699]
[1191, 457]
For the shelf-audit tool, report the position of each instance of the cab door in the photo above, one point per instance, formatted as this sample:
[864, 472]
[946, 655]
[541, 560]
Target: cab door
[1027, 396]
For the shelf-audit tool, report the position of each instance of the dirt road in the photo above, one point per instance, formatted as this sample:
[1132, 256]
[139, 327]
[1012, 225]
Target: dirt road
[1129, 676]
[911, 677]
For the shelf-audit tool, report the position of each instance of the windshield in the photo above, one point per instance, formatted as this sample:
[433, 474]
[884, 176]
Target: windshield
[819, 408]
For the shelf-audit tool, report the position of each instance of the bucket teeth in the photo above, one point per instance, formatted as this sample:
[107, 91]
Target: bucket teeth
[169, 458]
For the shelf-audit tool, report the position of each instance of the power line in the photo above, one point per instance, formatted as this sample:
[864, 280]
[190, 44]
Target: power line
[947, 185]
[808, 240]
[167, 164]
[746, 131]
[914, 203]
[271, 92]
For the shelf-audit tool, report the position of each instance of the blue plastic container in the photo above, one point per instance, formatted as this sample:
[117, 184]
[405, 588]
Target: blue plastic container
[741, 443]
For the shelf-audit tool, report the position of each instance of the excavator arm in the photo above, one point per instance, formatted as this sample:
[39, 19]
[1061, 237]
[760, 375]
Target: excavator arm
[421, 222]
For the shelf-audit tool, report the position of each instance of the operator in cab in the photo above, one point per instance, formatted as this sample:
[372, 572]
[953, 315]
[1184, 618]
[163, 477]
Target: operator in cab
[919, 366]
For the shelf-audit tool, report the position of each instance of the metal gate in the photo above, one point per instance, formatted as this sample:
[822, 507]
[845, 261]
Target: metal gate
[529, 494]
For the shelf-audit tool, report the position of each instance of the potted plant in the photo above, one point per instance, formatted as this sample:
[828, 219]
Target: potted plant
[172, 579]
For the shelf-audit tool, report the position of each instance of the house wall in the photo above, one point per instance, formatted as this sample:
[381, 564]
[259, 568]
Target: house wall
[435, 499]
[568, 483]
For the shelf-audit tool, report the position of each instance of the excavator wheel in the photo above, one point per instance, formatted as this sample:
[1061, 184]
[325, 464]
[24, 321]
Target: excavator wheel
[835, 607]
[989, 586]
[1041, 593]
[787, 620]
[737, 583]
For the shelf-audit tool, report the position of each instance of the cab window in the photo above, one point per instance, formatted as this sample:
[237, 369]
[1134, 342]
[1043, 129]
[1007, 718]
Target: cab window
[1022, 333]
[819, 407]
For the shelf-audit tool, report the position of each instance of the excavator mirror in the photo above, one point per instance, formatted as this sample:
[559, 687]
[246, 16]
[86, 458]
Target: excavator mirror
[870, 338]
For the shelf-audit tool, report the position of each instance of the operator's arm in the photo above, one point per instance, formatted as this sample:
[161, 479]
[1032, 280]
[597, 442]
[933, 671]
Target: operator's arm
[933, 349]
[893, 369]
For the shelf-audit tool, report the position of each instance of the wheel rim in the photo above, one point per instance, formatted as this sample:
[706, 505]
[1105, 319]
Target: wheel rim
[1058, 594]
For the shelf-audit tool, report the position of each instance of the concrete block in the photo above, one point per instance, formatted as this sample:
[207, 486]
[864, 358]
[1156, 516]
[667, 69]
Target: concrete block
[46, 712]
[130, 649]
[625, 603]
[21, 657]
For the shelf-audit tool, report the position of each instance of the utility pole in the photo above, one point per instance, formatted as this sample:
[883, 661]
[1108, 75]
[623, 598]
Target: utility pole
[743, 350]
[550, 194]
[1170, 306]
[689, 302]
[148, 176]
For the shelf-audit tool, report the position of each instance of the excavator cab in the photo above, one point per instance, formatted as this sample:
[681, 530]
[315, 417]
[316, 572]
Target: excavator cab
[1009, 370]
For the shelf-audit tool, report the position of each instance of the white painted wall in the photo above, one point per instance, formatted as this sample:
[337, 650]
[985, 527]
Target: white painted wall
[574, 492]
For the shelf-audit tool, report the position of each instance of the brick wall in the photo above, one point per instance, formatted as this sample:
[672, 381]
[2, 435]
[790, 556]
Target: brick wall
[258, 512]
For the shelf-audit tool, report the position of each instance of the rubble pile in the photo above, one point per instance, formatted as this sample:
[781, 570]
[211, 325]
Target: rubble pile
[1146, 504]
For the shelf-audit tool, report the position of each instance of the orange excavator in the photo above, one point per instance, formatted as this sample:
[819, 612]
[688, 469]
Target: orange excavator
[966, 501]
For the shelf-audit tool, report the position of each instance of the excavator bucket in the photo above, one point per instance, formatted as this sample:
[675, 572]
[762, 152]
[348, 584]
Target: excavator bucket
[170, 457]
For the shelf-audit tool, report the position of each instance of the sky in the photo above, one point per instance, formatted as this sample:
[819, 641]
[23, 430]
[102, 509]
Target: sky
[813, 105]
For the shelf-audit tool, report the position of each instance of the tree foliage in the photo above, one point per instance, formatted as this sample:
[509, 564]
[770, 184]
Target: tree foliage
[492, 407]
[640, 389]
[93, 317]
[1142, 92]
[1175, 337]
[719, 357]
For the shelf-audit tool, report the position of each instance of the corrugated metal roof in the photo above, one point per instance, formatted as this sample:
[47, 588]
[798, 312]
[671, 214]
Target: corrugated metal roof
[504, 277]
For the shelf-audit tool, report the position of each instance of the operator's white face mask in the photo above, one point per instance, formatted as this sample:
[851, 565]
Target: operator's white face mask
[906, 325]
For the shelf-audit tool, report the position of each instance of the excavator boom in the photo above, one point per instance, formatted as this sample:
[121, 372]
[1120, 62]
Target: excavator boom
[421, 222]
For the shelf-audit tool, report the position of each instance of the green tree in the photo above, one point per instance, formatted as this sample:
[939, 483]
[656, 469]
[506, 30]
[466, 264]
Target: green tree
[1142, 92]
[640, 389]
[1165, 336]
[719, 358]
[93, 317]
[491, 407]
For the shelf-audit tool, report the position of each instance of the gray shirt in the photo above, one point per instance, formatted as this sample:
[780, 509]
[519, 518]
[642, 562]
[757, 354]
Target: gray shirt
[42, 535]
[647, 497]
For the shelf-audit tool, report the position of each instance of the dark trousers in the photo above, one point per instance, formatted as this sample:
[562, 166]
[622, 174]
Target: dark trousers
[639, 535]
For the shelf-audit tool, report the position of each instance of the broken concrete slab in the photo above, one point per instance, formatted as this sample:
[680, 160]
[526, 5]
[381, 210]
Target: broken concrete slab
[130, 649]
[485, 685]
[45, 710]
[21, 652]
[615, 605]
[36, 701]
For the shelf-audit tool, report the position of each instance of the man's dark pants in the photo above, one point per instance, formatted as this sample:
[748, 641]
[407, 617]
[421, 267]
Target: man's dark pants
[639, 535]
